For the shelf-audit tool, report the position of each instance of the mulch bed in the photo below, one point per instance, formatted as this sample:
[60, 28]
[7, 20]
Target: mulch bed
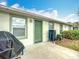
[73, 44]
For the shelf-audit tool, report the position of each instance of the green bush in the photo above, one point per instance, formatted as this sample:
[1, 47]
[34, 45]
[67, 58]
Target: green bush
[59, 36]
[71, 34]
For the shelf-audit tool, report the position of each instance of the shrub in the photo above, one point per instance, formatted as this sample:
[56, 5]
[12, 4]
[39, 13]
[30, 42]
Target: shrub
[59, 36]
[71, 34]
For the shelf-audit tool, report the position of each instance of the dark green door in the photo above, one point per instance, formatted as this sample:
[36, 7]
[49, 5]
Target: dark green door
[38, 31]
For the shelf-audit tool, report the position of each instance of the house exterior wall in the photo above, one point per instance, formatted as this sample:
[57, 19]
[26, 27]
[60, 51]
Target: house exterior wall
[30, 38]
[4, 22]
[65, 27]
[45, 31]
[5, 25]
[71, 27]
[30, 33]
[57, 28]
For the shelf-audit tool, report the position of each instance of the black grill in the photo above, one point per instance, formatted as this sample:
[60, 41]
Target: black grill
[10, 46]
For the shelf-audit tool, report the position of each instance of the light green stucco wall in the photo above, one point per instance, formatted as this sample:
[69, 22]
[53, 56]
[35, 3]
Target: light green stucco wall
[30, 39]
[66, 27]
[57, 28]
[5, 25]
[4, 22]
[45, 31]
[30, 33]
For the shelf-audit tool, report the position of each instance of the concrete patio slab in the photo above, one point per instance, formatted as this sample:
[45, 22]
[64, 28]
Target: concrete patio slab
[49, 50]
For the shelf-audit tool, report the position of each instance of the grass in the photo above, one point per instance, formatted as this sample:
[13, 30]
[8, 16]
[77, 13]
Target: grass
[72, 44]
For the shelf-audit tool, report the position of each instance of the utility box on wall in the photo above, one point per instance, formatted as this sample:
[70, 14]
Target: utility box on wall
[52, 35]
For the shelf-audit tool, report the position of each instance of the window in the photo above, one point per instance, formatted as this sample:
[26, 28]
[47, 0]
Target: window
[19, 27]
[75, 28]
[51, 26]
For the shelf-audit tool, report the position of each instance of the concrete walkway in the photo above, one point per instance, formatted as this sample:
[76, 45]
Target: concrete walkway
[49, 51]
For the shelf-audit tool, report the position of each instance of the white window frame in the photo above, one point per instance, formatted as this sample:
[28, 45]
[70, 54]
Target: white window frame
[20, 37]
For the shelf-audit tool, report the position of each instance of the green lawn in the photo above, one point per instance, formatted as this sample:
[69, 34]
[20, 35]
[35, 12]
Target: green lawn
[72, 44]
